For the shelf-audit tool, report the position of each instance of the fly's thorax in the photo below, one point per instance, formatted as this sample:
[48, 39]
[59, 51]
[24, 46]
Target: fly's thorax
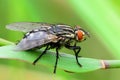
[62, 30]
[68, 35]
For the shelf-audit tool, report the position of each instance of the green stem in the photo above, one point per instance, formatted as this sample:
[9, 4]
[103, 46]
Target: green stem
[112, 64]
[5, 42]
[67, 62]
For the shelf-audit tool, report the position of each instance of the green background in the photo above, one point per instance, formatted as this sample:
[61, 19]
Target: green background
[101, 18]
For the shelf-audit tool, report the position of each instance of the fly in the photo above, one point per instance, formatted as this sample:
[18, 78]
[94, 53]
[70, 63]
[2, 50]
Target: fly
[49, 35]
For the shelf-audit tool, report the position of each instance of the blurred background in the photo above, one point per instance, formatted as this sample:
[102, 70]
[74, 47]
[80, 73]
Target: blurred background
[101, 18]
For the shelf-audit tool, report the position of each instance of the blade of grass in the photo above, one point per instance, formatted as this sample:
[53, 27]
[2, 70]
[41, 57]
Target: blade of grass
[4, 42]
[66, 62]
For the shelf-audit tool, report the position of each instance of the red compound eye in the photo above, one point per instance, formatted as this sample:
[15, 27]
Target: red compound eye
[80, 35]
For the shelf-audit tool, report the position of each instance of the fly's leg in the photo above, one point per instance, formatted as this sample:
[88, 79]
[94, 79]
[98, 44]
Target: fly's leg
[57, 56]
[76, 54]
[76, 50]
[41, 55]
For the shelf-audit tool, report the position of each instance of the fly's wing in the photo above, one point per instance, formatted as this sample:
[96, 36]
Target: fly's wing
[36, 39]
[26, 26]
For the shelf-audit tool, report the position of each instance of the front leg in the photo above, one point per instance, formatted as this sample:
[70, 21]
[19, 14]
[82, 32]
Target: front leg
[76, 50]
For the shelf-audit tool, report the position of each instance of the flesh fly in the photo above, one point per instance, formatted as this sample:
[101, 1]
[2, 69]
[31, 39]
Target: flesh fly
[49, 36]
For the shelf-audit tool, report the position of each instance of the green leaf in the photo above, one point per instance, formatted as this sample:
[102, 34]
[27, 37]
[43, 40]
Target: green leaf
[4, 42]
[66, 62]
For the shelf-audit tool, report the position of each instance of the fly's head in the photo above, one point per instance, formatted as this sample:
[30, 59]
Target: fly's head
[81, 34]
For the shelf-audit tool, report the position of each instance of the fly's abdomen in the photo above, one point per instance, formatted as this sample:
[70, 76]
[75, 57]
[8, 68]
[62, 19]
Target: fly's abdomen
[32, 40]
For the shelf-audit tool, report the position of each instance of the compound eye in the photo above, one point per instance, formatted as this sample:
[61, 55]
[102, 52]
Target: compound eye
[80, 35]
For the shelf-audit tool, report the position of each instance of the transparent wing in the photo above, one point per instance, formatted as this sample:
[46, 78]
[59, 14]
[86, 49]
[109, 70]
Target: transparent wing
[26, 26]
[36, 40]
